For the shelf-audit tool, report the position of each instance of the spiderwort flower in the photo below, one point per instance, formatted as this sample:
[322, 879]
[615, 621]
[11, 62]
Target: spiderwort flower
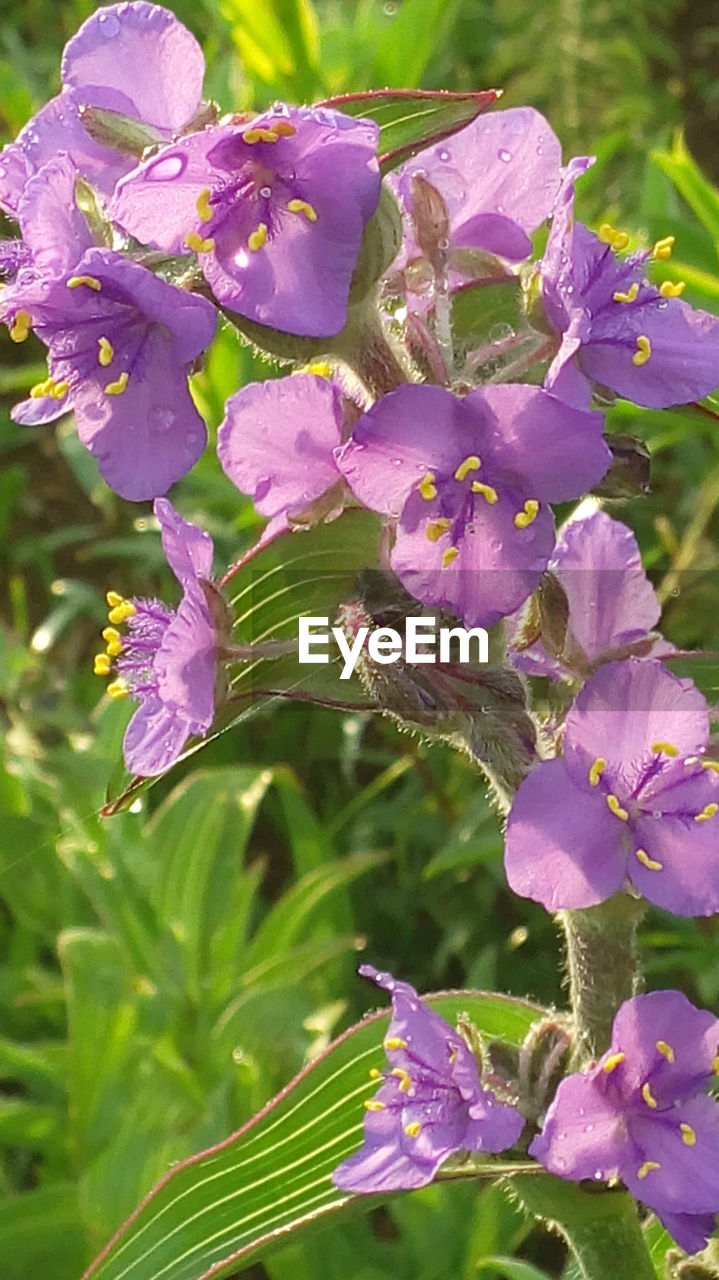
[120, 342]
[469, 481]
[622, 331]
[641, 1114]
[275, 210]
[631, 800]
[611, 603]
[277, 443]
[430, 1104]
[134, 58]
[167, 659]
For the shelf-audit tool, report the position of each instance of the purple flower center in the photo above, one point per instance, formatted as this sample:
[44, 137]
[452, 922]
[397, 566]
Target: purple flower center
[460, 495]
[133, 653]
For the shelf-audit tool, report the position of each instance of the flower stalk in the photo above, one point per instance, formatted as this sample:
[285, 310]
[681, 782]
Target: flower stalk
[602, 969]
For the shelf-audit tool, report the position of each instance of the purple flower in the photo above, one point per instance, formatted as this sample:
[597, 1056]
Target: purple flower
[134, 58]
[616, 328]
[469, 481]
[430, 1104]
[120, 342]
[277, 443]
[611, 602]
[498, 178]
[631, 800]
[275, 210]
[167, 660]
[641, 1114]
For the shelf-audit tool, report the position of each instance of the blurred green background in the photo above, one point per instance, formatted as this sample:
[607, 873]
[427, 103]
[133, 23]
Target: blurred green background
[164, 972]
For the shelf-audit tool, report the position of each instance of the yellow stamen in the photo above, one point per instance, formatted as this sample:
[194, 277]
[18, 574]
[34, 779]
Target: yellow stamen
[395, 1042]
[371, 1105]
[643, 351]
[198, 244]
[118, 689]
[252, 136]
[90, 282]
[405, 1083]
[413, 1129]
[117, 388]
[665, 1050]
[257, 239]
[609, 235]
[301, 206]
[60, 390]
[113, 640]
[615, 807]
[650, 863]
[647, 1167]
[374, 1074]
[596, 771]
[663, 248]
[449, 557]
[711, 764]
[121, 612]
[486, 491]
[471, 463]
[629, 296]
[101, 664]
[283, 128]
[204, 210]
[114, 599]
[41, 389]
[689, 1137]
[437, 528]
[524, 518]
[427, 487]
[320, 368]
[667, 747]
[648, 1096]
[21, 326]
[707, 812]
[613, 1062]
[107, 352]
[672, 288]
[715, 1066]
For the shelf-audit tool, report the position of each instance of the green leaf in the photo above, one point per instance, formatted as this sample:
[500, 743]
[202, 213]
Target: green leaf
[410, 119]
[700, 195]
[512, 1268]
[225, 1207]
[41, 1234]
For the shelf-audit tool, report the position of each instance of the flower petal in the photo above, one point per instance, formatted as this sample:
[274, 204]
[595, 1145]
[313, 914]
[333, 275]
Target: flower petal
[188, 550]
[186, 664]
[154, 738]
[691, 1231]
[687, 1180]
[689, 1040]
[157, 201]
[583, 1134]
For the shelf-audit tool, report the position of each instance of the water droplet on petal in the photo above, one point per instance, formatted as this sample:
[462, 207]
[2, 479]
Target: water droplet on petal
[266, 192]
[166, 168]
[504, 155]
[109, 25]
[444, 155]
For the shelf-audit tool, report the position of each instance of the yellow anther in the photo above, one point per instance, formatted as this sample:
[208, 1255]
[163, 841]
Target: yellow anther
[666, 1050]
[90, 282]
[486, 491]
[121, 612]
[596, 771]
[413, 1129]
[643, 351]
[395, 1042]
[613, 1062]
[647, 1167]
[106, 354]
[204, 209]
[707, 812]
[101, 664]
[60, 390]
[252, 136]
[113, 640]
[198, 244]
[449, 557]
[651, 864]
[113, 599]
[672, 288]
[41, 389]
[614, 806]
[21, 326]
[437, 528]
[689, 1137]
[427, 487]
[663, 248]
[620, 241]
[405, 1083]
[117, 388]
[371, 1105]
[609, 235]
[711, 764]
[629, 296]
[715, 1066]
[648, 1096]
[471, 463]
[257, 239]
[524, 518]
[374, 1074]
[605, 232]
[118, 689]
[301, 206]
[320, 368]
[283, 128]
[666, 748]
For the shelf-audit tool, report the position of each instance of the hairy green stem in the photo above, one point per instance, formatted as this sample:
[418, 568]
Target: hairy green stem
[603, 970]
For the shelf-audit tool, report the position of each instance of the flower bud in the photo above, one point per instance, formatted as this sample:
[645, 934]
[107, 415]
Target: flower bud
[380, 245]
[121, 133]
[629, 473]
